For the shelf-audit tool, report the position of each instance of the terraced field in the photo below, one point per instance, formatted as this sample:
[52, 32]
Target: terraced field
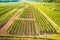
[24, 21]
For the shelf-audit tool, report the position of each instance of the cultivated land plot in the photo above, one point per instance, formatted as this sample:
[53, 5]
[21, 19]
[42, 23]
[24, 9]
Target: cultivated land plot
[53, 14]
[30, 24]
[25, 26]
[6, 12]
[44, 25]
[27, 13]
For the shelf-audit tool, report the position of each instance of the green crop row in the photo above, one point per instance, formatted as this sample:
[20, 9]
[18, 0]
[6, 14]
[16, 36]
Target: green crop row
[27, 13]
[53, 11]
[4, 18]
[45, 27]
[5, 10]
[22, 27]
[8, 12]
[10, 7]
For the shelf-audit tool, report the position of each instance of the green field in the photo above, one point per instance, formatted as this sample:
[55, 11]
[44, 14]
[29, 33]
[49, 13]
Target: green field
[53, 14]
[29, 21]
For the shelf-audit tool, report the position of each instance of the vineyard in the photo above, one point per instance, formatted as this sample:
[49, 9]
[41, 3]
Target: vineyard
[24, 21]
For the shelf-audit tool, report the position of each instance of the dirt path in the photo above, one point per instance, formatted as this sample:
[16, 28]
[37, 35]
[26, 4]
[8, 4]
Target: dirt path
[26, 19]
[6, 26]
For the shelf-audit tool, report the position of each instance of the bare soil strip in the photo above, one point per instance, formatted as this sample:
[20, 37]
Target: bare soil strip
[17, 39]
[25, 18]
[6, 26]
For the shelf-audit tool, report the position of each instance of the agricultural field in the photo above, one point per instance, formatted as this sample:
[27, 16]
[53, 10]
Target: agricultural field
[7, 11]
[25, 21]
[52, 10]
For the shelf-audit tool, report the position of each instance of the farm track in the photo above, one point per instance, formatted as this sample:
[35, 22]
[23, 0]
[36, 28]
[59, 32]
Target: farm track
[6, 26]
[26, 39]
[25, 18]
